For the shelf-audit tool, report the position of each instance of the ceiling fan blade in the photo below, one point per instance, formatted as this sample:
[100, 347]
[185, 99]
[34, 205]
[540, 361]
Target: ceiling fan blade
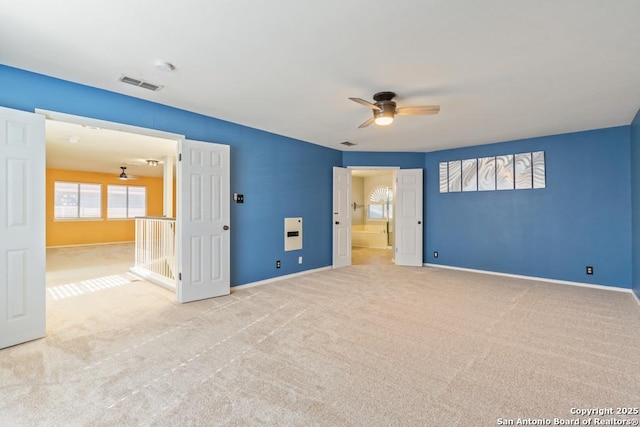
[366, 104]
[367, 123]
[417, 111]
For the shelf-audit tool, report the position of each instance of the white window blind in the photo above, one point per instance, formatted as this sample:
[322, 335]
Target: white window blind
[73, 200]
[126, 201]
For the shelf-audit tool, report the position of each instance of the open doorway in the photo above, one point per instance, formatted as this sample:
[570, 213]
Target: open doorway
[202, 216]
[100, 182]
[406, 211]
[372, 224]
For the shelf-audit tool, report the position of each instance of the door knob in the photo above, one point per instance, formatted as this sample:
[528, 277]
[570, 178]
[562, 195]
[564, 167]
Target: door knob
[337, 222]
[226, 227]
[419, 222]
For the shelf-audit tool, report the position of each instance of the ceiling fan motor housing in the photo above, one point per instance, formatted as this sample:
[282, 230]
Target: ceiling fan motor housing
[386, 105]
[384, 96]
[387, 109]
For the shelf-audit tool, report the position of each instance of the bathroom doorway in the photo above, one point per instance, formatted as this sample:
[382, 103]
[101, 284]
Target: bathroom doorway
[373, 207]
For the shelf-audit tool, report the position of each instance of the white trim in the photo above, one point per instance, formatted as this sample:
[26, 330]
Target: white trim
[635, 296]
[279, 278]
[77, 219]
[540, 279]
[87, 121]
[374, 167]
[91, 244]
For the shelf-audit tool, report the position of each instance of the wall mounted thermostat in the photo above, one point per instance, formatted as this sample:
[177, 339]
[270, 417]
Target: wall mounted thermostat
[292, 234]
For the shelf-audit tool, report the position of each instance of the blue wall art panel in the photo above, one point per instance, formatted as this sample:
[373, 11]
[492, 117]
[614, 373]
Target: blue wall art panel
[444, 177]
[524, 176]
[504, 172]
[470, 175]
[539, 173]
[455, 176]
[487, 174]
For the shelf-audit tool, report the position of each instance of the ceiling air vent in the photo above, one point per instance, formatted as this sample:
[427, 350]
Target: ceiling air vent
[348, 144]
[140, 83]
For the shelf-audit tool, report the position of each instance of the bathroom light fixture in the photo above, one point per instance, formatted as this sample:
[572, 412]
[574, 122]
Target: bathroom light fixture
[123, 176]
[152, 162]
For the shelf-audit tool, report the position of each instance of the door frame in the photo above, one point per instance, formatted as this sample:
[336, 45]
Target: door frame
[104, 124]
[381, 168]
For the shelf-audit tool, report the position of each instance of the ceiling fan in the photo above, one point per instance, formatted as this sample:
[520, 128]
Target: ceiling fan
[125, 176]
[384, 109]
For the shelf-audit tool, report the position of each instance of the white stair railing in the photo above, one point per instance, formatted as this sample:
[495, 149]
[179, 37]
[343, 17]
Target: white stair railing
[155, 250]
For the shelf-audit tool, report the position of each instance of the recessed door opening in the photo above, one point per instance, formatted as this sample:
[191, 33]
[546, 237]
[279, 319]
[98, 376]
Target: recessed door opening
[109, 192]
[386, 214]
[36, 202]
[372, 225]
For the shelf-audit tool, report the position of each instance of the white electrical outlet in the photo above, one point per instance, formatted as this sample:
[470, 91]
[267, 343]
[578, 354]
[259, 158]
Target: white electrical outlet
[299, 260]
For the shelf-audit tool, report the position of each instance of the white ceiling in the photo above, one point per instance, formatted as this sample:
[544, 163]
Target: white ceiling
[500, 69]
[76, 147]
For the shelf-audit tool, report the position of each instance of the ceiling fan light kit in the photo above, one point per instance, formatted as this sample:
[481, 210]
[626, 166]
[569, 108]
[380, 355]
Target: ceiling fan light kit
[384, 109]
[383, 118]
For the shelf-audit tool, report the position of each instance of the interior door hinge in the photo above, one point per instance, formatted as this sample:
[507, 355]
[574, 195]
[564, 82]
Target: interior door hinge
[180, 157]
[179, 276]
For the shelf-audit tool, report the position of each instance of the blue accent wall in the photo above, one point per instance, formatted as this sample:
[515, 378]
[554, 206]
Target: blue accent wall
[368, 158]
[278, 176]
[582, 217]
[635, 200]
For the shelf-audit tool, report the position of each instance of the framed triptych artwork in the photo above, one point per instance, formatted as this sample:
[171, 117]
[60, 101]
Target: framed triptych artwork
[520, 171]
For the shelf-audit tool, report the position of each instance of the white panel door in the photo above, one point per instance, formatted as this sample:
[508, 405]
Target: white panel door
[408, 250]
[341, 217]
[22, 227]
[203, 221]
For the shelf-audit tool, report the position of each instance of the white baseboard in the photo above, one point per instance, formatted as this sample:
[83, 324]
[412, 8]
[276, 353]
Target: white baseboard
[279, 278]
[90, 244]
[540, 279]
[636, 297]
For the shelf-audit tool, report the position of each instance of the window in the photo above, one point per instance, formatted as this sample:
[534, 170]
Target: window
[74, 200]
[126, 201]
[380, 203]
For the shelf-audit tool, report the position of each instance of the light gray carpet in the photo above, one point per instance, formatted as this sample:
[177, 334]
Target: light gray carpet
[359, 346]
